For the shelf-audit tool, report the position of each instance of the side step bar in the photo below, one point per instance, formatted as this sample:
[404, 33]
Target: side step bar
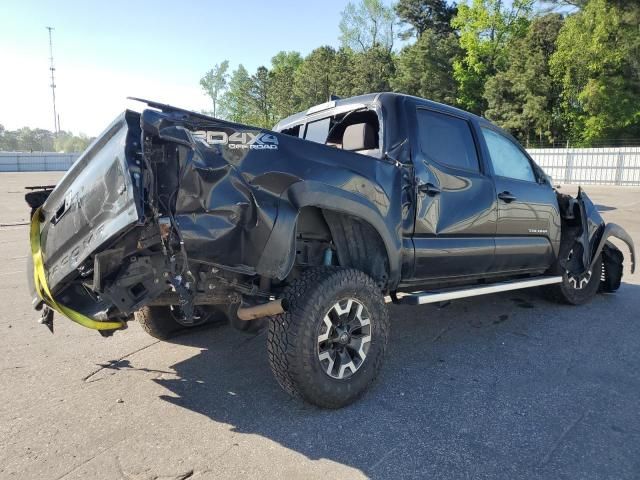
[421, 298]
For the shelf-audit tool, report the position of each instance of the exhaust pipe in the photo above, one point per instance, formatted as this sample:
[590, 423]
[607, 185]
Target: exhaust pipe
[275, 307]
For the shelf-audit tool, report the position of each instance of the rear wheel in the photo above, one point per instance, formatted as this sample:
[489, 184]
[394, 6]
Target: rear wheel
[164, 322]
[329, 345]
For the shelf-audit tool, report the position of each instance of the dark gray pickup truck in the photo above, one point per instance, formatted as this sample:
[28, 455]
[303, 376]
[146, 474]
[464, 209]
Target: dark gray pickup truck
[177, 219]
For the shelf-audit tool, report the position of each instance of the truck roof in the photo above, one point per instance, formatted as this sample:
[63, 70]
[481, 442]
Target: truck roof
[346, 104]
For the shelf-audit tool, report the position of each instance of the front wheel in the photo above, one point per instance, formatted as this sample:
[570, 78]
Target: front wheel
[328, 347]
[576, 289]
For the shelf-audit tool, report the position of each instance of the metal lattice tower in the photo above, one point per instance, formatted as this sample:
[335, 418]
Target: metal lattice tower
[56, 121]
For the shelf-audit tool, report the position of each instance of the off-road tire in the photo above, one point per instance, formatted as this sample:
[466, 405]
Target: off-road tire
[612, 259]
[159, 322]
[293, 346]
[566, 293]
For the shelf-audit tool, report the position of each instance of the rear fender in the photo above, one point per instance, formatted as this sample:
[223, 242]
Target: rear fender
[279, 253]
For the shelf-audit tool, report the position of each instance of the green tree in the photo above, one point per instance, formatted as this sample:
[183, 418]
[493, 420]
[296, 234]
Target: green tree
[260, 96]
[366, 25]
[423, 15]
[425, 68]
[68, 142]
[486, 27]
[283, 69]
[314, 81]
[214, 82]
[524, 98]
[235, 102]
[371, 71]
[8, 140]
[342, 72]
[567, 3]
[34, 140]
[40, 140]
[597, 63]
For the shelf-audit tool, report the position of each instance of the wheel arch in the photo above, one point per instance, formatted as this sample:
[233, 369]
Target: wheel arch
[616, 231]
[358, 230]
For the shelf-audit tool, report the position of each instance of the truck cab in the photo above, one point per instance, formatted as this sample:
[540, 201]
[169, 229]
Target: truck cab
[480, 207]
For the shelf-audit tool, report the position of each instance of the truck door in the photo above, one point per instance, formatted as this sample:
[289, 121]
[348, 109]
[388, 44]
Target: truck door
[527, 207]
[456, 213]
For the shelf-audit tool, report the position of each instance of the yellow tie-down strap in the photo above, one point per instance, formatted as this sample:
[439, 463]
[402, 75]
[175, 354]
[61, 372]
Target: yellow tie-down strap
[40, 279]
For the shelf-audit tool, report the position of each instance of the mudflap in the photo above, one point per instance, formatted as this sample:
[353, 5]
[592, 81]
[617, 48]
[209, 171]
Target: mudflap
[612, 260]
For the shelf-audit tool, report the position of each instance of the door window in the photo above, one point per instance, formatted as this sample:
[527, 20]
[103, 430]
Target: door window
[507, 159]
[447, 140]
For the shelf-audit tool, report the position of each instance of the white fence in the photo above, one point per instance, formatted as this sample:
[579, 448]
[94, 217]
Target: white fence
[605, 166]
[36, 162]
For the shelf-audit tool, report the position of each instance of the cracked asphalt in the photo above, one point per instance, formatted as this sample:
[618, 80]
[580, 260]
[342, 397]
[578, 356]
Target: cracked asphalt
[504, 386]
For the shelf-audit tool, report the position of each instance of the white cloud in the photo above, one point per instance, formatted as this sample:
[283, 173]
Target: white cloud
[87, 98]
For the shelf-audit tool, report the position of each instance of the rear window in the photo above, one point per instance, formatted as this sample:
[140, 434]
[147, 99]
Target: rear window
[447, 140]
[317, 131]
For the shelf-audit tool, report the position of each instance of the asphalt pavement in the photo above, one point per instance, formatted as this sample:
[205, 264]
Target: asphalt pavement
[503, 386]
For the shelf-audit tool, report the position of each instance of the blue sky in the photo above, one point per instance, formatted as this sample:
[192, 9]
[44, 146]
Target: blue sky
[107, 50]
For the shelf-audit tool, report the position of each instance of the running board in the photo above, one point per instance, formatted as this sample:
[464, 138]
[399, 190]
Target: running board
[421, 298]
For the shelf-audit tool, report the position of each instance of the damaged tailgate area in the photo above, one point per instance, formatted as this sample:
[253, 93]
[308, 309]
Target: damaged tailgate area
[153, 214]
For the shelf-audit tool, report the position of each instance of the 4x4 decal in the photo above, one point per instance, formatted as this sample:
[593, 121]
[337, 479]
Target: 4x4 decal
[241, 140]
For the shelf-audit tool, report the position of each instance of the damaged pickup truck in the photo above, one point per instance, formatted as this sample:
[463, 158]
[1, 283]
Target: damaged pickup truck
[176, 219]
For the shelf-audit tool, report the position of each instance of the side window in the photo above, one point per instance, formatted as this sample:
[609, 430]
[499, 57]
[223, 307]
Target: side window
[506, 158]
[447, 140]
[317, 131]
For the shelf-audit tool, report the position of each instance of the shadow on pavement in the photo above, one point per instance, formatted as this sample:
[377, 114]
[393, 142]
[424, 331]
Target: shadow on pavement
[506, 386]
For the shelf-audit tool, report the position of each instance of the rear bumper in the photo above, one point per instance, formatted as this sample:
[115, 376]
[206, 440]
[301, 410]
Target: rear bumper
[44, 293]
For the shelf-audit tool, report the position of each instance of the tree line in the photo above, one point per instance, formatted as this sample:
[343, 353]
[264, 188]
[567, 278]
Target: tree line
[559, 71]
[41, 140]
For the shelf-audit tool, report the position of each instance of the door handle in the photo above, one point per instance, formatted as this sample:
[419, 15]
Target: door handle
[507, 197]
[429, 188]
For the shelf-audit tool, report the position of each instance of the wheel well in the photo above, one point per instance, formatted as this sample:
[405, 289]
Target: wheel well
[354, 243]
